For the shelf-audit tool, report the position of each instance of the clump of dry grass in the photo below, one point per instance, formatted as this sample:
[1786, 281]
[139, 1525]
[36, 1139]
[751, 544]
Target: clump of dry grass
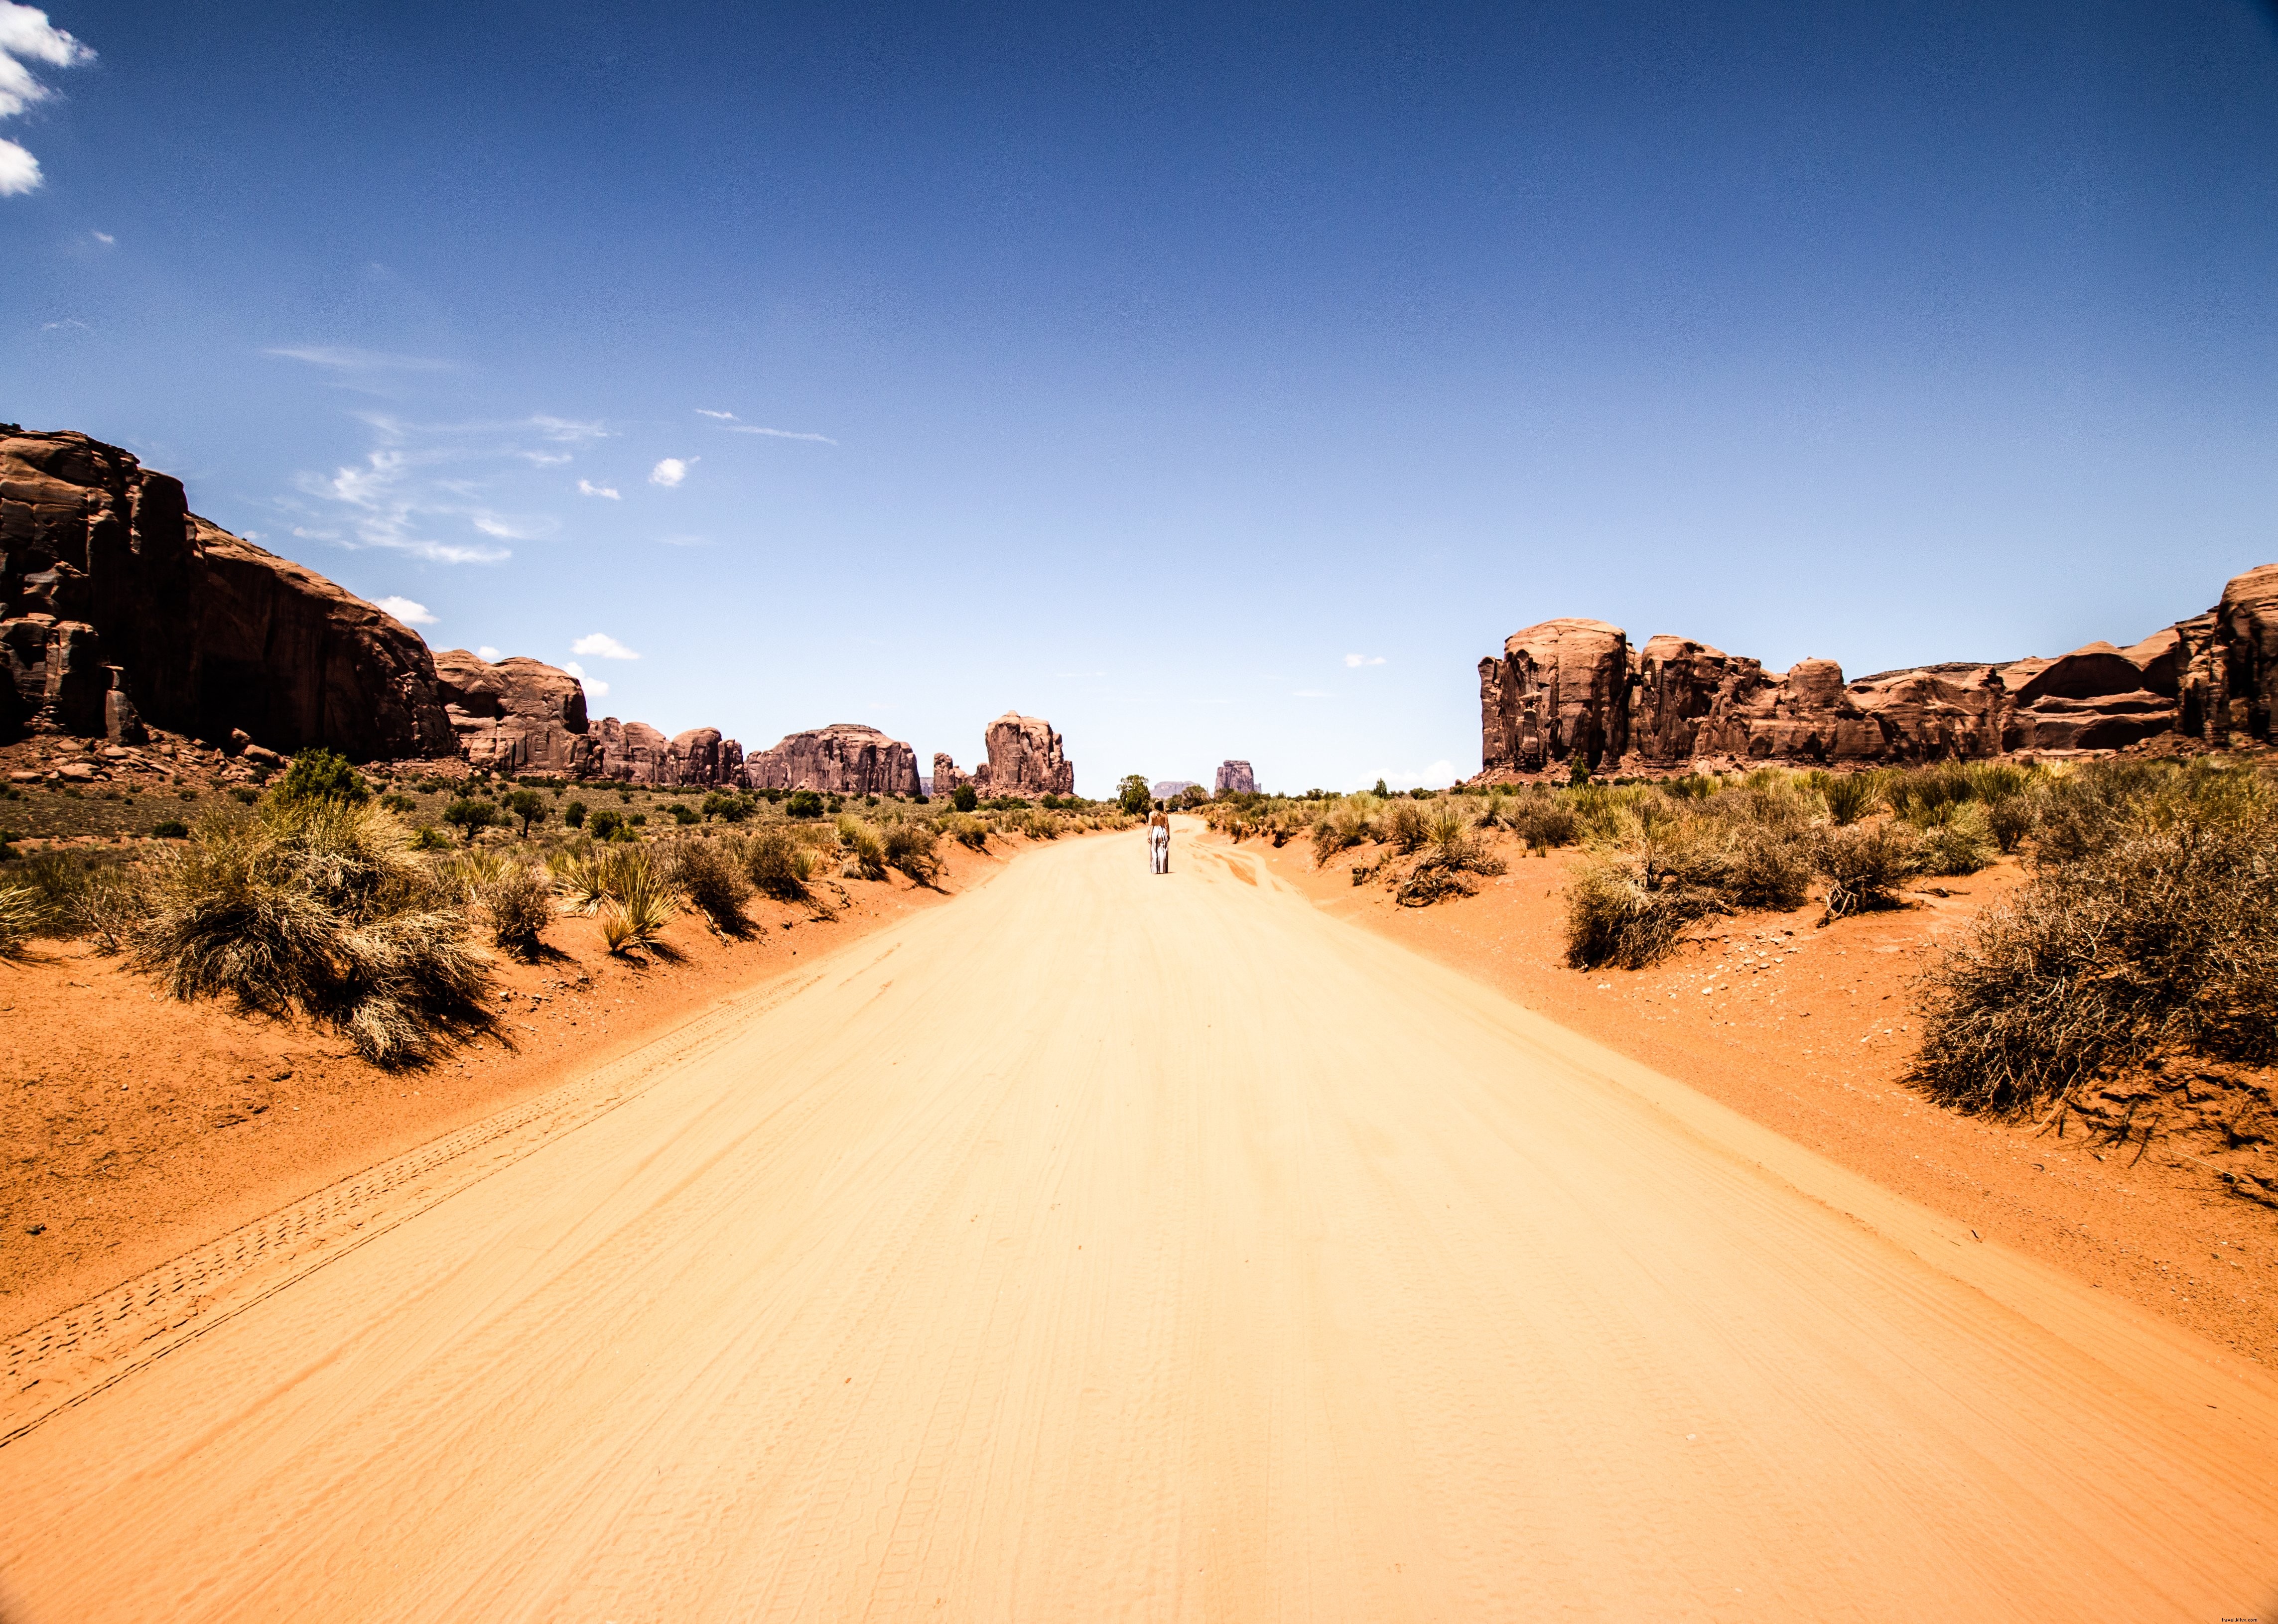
[1620, 910]
[711, 875]
[640, 900]
[910, 846]
[776, 865]
[1864, 865]
[321, 907]
[864, 853]
[2150, 925]
[1451, 853]
[19, 918]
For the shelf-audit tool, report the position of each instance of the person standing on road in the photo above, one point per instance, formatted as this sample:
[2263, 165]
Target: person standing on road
[1158, 842]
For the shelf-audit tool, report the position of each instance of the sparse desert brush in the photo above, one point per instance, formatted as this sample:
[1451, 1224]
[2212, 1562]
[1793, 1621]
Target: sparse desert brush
[1957, 837]
[2150, 926]
[910, 847]
[710, 873]
[771, 861]
[1543, 820]
[1451, 853]
[1850, 797]
[1619, 912]
[1402, 826]
[864, 853]
[514, 896]
[1864, 865]
[19, 918]
[85, 899]
[1770, 867]
[320, 907]
[640, 902]
[578, 871]
[965, 830]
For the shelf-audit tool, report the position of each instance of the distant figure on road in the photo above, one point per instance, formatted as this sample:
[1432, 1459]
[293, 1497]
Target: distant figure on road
[1158, 842]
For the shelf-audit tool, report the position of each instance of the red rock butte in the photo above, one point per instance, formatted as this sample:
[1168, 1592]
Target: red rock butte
[1570, 690]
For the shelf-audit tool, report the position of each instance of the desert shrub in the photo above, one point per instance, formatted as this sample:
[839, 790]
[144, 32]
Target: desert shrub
[1995, 781]
[771, 862]
[398, 802]
[1690, 787]
[242, 795]
[1770, 867]
[318, 906]
[1921, 795]
[1864, 865]
[639, 899]
[1402, 826]
[574, 814]
[709, 875]
[82, 899]
[470, 817]
[321, 775]
[529, 807]
[606, 823]
[865, 852]
[1619, 912]
[1543, 821]
[804, 804]
[579, 875]
[1849, 795]
[684, 815]
[171, 828]
[515, 897]
[2162, 936]
[910, 847]
[1957, 837]
[965, 831]
[1451, 853]
[2010, 820]
[19, 918]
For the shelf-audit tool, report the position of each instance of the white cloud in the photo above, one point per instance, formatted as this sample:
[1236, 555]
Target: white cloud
[602, 646]
[506, 527]
[20, 170]
[1439, 775]
[586, 487]
[1364, 660]
[26, 35]
[487, 653]
[104, 238]
[781, 434]
[345, 358]
[593, 689]
[722, 416]
[409, 613]
[568, 430]
[671, 471]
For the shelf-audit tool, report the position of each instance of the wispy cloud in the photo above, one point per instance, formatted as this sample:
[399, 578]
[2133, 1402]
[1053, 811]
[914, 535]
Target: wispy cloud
[600, 645]
[399, 497]
[586, 487]
[595, 689]
[68, 321]
[487, 653]
[1438, 776]
[26, 35]
[722, 416]
[685, 541]
[1364, 660]
[507, 528]
[781, 434]
[567, 429]
[405, 610]
[104, 238]
[671, 471]
[345, 358]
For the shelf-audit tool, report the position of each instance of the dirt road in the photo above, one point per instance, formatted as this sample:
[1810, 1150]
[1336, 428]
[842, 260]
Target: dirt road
[1114, 1246]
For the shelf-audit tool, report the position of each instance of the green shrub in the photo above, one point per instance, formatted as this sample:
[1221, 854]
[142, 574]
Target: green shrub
[242, 794]
[470, 817]
[1957, 838]
[607, 823]
[529, 807]
[771, 863]
[684, 816]
[171, 828]
[427, 837]
[321, 775]
[573, 815]
[318, 906]
[804, 804]
[866, 853]
[1849, 795]
[640, 901]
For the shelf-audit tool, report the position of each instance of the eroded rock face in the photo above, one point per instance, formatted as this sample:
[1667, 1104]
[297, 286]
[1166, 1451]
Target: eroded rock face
[517, 716]
[945, 775]
[844, 758]
[1234, 778]
[209, 633]
[1572, 688]
[1025, 759]
[1560, 690]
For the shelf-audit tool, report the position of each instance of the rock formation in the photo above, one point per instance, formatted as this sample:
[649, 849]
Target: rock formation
[1234, 778]
[1170, 788]
[945, 776]
[1568, 691]
[1025, 759]
[844, 758]
[119, 605]
[517, 716]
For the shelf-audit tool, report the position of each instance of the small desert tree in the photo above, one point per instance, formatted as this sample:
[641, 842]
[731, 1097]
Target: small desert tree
[321, 775]
[529, 806]
[1133, 794]
[470, 817]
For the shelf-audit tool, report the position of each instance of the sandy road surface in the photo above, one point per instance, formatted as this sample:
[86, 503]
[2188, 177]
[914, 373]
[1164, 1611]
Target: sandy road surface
[1109, 1247]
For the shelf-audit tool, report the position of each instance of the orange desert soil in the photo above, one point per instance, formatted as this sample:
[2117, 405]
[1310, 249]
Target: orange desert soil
[1808, 1031]
[133, 1127]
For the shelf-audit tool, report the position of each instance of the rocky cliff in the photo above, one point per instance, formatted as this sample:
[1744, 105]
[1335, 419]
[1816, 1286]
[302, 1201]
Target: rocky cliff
[1235, 778]
[844, 758]
[117, 605]
[1573, 689]
[1025, 759]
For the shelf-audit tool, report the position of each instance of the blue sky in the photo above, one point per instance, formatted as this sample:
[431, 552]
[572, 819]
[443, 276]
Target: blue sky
[1221, 381]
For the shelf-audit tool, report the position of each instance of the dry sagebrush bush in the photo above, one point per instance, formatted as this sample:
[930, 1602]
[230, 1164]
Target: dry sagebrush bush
[710, 874]
[910, 847]
[321, 907]
[1864, 865]
[776, 863]
[2150, 925]
[1619, 914]
[19, 918]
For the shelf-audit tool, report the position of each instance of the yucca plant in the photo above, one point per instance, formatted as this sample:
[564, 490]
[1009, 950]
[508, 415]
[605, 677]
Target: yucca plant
[640, 900]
